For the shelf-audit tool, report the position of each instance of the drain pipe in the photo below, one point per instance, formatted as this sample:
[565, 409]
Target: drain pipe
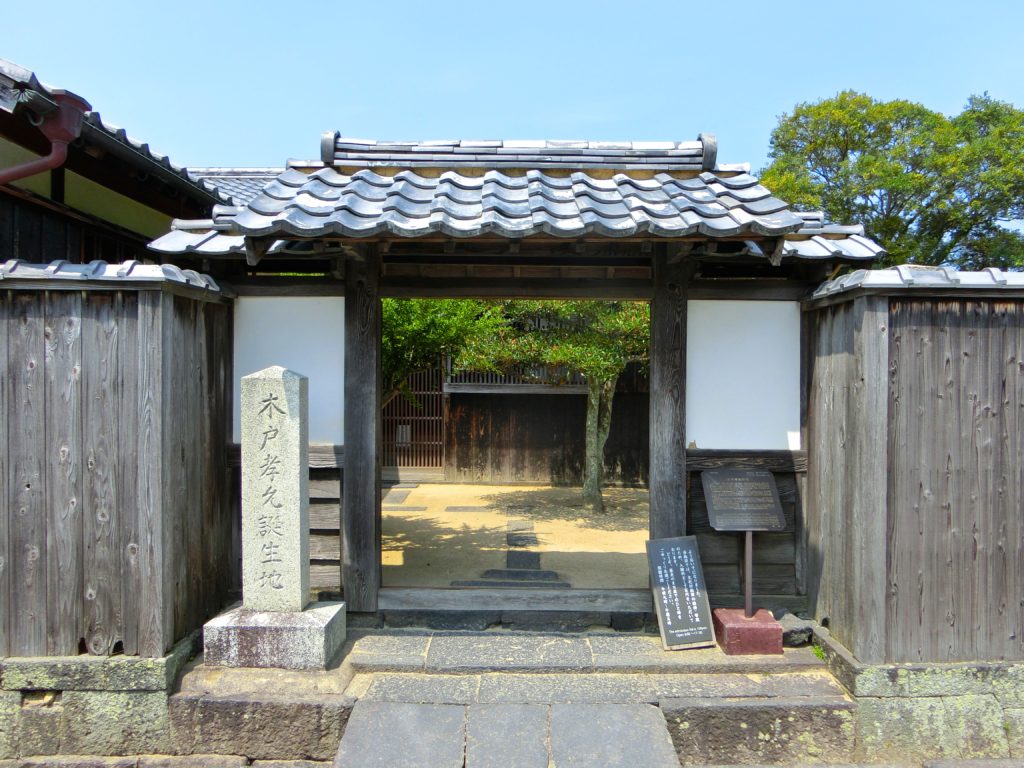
[61, 126]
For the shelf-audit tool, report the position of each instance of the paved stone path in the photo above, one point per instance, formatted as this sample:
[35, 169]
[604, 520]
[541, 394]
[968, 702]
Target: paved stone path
[402, 735]
[519, 700]
[479, 699]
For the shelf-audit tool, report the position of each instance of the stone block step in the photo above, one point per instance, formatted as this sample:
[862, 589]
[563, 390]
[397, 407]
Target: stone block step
[511, 584]
[543, 652]
[785, 730]
[272, 725]
[521, 574]
[585, 688]
[399, 735]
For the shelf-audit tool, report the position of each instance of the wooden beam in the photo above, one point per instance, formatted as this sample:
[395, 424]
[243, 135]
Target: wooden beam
[753, 289]
[602, 600]
[360, 524]
[515, 389]
[668, 398]
[699, 459]
[483, 288]
[321, 456]
[286, 286]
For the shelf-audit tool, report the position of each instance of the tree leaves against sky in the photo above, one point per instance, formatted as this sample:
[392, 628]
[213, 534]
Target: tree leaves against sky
[932, 189]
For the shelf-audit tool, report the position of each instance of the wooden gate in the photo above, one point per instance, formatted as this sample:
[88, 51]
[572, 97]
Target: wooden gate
[414, 434]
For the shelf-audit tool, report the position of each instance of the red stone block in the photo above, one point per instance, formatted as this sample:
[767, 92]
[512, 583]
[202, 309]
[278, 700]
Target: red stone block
[737, 634]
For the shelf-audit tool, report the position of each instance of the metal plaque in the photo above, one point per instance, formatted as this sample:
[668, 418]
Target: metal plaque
[742, 500]
[680, 597]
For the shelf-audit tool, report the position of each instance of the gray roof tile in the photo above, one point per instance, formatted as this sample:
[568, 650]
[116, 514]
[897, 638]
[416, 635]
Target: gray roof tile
[367, 203]
[23, 85]
[475, 195]
[240, 185]
[520, 153]
[923, 278]
[61, 271]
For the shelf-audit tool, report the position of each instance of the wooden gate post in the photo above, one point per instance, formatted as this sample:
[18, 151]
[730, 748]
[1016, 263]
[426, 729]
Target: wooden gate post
[667, 482]
[360, 518]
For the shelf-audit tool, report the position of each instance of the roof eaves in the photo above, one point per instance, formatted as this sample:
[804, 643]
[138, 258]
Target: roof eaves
[19, 87]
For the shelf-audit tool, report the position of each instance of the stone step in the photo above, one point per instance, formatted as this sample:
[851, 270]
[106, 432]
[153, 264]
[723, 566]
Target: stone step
[511, 584]
[543, 652]
[273, 725]
[612, 688]
[399, 735]
[521, 574]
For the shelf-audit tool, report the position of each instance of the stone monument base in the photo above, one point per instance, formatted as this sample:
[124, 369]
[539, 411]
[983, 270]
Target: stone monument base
[737, 634]
[287, 640]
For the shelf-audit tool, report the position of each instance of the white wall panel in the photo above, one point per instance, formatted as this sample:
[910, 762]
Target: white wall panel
[305, 334]
[743, 374]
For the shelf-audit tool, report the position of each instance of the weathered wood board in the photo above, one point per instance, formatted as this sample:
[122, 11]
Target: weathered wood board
[914, 526]
[668, 398]
[117, 516]
[361, 522]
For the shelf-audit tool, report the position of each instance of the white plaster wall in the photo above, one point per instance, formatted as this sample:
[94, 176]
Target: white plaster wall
[743, 374]
[305, 334]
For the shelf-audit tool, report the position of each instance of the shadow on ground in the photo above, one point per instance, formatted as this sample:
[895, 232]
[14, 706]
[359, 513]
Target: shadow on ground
[626, 509]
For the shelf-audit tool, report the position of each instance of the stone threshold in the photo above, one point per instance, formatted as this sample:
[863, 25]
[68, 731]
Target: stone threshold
[155, 761]
[456, 652]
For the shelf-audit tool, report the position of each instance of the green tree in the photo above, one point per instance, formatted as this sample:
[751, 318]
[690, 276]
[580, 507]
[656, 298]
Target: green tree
[417, 333]
[595, 338]
[932, 189]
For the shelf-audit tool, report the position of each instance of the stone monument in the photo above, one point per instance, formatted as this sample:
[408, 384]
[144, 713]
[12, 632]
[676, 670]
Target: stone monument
[275, 625]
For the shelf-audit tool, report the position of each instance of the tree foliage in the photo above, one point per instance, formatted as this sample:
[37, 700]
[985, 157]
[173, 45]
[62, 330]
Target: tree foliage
[558, 338]
[417, 333]
[932, 189]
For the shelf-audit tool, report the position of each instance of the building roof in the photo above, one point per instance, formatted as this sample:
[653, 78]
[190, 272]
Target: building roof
[20, 89]
[694, 156]
[15, 271]
[508, 189]
[239, 184]
[915, 278]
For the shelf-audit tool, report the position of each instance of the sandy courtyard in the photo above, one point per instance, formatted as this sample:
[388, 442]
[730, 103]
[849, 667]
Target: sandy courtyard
[448, 535]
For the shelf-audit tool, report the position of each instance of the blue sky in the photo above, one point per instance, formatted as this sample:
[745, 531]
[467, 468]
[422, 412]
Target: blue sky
[254, 83]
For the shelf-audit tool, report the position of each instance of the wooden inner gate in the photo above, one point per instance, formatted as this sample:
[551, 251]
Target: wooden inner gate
[413, 432]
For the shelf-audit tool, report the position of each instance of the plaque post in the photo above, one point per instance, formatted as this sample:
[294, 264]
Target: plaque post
[748, 576]
[744, 501]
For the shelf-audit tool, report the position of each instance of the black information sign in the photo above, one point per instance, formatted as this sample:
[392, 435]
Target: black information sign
[680, 598]
[742, 500]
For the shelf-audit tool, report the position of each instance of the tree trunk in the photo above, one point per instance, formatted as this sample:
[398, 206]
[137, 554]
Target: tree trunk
[600, 394]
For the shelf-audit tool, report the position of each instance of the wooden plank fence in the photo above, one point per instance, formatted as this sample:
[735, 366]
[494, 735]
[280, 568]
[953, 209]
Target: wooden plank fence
[118, 518]
[916, 477]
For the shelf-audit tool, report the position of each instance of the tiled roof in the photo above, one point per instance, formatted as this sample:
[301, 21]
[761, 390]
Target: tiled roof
[240, 184]
[922, 278]
[16, 270]
[406, 204]
[699, 155]
[559, 189]
[818, 240]
[20, 88]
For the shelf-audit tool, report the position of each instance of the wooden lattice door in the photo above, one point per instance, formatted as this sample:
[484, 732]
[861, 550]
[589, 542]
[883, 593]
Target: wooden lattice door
[414, 433]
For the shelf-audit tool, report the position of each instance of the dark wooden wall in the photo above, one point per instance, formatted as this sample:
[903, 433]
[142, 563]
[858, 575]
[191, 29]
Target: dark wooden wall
[118, 524]
[916, 472]
[506, 438]
[35, 233]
